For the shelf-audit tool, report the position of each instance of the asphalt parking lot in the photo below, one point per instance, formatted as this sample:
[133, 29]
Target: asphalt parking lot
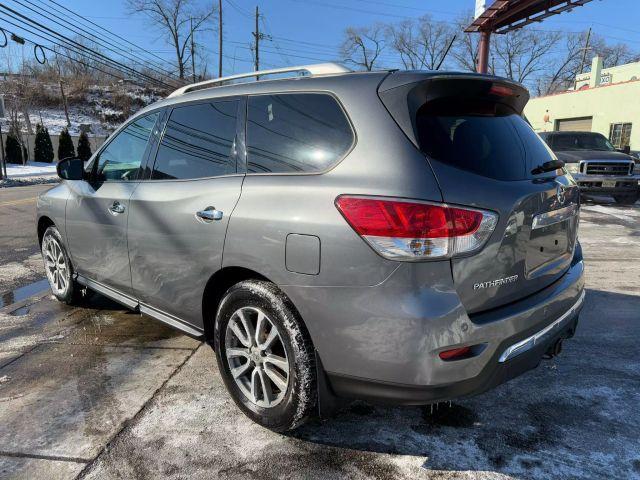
[99, 392]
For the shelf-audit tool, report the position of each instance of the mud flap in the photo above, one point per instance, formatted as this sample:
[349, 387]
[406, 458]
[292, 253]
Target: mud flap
[328, 403]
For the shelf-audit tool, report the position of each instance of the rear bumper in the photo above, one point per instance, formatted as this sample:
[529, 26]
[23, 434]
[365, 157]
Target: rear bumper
[382, 343]
[499, 369]
[625, 184]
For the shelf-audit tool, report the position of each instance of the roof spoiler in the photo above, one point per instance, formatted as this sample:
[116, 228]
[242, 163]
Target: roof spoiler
[404, 93]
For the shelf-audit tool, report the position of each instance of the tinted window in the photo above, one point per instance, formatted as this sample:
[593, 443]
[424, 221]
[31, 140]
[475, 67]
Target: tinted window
[481, 137]
[581, 141]
[121, 158]
[198, 142]
[295, 133]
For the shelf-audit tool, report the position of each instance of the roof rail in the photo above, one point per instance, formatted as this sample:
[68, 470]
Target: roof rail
[316, 69]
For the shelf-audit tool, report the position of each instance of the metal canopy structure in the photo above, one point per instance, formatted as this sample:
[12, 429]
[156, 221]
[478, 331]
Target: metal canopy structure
[503, 16]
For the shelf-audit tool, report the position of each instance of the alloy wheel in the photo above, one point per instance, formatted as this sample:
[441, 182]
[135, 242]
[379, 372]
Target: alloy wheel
[257, 357]
[56, 266]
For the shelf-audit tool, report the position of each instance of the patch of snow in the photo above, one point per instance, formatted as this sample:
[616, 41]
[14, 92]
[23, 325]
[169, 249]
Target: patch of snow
[55, 120]
[20, 182]
[31, 169]
[619, 213]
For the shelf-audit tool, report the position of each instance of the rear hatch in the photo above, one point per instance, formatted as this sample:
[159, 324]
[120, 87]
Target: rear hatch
[484, 154]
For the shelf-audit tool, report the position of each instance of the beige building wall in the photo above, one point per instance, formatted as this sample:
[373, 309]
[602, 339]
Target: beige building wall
[607, 104]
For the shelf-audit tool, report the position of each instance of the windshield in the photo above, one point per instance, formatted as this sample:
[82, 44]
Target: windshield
[580, 141]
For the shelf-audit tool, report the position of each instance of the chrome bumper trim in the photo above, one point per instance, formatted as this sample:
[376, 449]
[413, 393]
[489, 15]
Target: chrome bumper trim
[529, 342]
[555, 216]
[582, 177]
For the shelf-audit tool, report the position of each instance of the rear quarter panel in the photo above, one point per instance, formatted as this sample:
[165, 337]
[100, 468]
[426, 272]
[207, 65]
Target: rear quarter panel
[272, 206]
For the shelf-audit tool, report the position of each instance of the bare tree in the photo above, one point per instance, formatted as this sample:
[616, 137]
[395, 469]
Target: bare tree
[420, 43]
[465, 51]
[522, 54]
[174, 18]
[363, 46]
[561, 73]
[612, 54]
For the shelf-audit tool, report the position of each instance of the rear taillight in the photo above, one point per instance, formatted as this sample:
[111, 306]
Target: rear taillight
[501, 90]
[403, 230]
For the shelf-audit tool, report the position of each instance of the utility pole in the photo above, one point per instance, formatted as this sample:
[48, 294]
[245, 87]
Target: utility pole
[257, 35]
[3, 165]
[584, 56]
[193, 54]
[219, 38]
[64, 97]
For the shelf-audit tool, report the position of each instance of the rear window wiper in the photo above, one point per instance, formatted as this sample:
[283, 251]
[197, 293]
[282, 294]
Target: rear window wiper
[549, 166]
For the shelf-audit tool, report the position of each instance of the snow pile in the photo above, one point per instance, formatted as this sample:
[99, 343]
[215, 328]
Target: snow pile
[31, 169]
[55, 120]
[101, 108]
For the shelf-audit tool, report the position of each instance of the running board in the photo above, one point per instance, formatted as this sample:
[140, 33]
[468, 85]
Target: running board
[189, 330]
[108, 292]
[142, 308]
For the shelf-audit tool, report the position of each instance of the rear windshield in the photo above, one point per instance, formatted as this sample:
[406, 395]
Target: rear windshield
[579, 141]
[482, 137]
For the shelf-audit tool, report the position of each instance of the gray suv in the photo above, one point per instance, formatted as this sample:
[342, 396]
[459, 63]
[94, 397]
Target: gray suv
[397, 237]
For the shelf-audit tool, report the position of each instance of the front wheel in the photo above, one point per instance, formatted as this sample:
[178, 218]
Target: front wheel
[629, 199]
[58, 268]
[265, 355]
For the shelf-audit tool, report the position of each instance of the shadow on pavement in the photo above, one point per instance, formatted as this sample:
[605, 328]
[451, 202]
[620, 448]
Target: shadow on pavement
[573, 416]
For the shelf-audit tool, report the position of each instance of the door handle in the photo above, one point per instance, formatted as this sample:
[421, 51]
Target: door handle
[116, 208]
[209, 214]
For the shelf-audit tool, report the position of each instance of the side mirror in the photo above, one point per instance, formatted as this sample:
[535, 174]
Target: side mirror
[626, 149]
[71, 169]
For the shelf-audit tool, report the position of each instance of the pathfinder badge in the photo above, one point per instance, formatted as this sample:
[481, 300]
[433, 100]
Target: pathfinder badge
[495, 283]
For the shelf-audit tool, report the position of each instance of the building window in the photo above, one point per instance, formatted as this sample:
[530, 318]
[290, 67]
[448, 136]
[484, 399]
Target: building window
[620, 134]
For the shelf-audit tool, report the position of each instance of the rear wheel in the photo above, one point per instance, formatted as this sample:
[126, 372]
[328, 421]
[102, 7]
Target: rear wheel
[265, 355]
[629, 199]
[58, 268]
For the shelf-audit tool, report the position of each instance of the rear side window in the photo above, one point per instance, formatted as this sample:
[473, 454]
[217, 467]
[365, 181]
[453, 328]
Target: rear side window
[295, 133]
[198, 142]
[485, 138]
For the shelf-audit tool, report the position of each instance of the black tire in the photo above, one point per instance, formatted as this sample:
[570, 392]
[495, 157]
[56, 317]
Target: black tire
[299, 398]
[628, 199]
[73, 292]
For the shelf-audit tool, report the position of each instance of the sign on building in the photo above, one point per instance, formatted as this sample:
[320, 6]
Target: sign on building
[481, 6]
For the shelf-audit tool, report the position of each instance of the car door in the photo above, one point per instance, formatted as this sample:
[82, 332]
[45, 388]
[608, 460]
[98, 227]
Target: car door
[97, 210]
[178, 217]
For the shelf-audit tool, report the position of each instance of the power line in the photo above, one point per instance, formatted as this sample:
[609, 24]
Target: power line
[78, 48]
[107, 31]
[275, 43]
[67, 56]
[240, 10]
[43, 28]
[94, 39]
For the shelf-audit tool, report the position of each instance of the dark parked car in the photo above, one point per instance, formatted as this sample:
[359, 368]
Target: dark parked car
[596, 165]
[399, 237]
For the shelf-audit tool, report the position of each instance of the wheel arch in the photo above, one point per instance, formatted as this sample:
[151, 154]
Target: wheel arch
[215, 289]
[220, 282]
[44, 222]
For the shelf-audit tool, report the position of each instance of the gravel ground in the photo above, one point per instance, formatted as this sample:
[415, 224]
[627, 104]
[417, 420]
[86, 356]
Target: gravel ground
[98, 392]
